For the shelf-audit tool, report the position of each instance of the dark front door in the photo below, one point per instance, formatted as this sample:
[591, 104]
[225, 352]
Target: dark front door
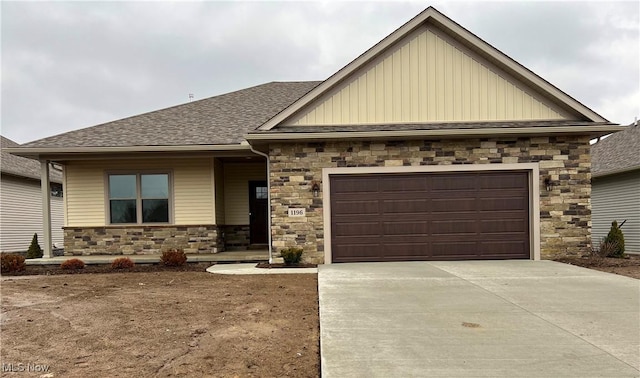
[258, 202]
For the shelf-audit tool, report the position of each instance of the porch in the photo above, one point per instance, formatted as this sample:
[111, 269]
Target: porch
[228, 257]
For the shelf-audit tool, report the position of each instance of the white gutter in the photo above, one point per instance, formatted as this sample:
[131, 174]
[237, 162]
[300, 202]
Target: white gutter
[33, 151]
[268, 200]
[440, 133]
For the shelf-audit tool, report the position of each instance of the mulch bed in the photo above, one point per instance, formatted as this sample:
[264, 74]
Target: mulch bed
[32, 270]
[628, 266]
[282, 265]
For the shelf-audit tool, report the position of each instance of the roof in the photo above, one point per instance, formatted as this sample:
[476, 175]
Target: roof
[20, 166]
[617, 153]
[223, 119]
[431, 15]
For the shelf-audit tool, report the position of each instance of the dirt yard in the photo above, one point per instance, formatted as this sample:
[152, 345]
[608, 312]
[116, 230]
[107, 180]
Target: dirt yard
[161, 324]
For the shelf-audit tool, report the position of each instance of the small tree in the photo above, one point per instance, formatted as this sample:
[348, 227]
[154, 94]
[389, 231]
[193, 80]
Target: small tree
[615, 237]
[34, 251]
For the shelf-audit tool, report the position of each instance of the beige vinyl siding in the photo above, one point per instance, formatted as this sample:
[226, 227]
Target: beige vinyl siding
[21, 214]
[218, 169]
[617, 198]
[428, 77]
[192, 188]
[236, 190]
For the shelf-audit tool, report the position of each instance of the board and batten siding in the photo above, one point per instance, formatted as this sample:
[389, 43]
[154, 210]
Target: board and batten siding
[192, 189]
[236, 190]
[428, 77]
[617, 197]
[21, 214]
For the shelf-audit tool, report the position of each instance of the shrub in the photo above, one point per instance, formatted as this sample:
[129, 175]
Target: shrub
[11, 263]
[34, 252]
[603, 249]
[173, 257]
[122, 263]
[615, 237]
[291, 255]
[72, 264]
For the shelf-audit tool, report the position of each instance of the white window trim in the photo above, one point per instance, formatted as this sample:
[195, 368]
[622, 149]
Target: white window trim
[138, 174]
[534, 189]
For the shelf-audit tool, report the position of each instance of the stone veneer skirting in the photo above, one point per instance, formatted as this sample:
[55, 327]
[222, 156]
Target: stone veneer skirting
[565, 210]
[141, 240]
[236, 238]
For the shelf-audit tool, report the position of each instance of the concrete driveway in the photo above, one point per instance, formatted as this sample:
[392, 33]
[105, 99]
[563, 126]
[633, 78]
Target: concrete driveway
[477, 319]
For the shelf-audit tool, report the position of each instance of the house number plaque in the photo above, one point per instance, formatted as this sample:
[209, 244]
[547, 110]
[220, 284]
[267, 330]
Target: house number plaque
[297, 213]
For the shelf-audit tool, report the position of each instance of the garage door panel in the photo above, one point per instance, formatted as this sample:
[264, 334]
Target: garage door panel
[406, 206]
[453, 227]
[355, 184]
[503, 248]
[357, 229]
[449, 182]
[446, 205]
[508, 203]
[502, 226]
[405, 228]
[458, 248]
[504, 181]
[402, 184]
[359, 252]
[430, 216]
[357, 207]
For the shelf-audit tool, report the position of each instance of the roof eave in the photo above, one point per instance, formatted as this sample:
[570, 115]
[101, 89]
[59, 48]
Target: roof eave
[432, 134]
[41, 152]
[614, 172]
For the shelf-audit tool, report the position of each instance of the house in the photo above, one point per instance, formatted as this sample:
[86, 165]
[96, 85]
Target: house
[431, 145]
[21, 201]
[616, 186]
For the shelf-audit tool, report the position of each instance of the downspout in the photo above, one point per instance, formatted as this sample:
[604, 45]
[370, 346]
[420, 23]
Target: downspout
[268, 199]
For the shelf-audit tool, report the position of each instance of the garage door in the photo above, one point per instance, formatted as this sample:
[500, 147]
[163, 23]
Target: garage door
[430, 216]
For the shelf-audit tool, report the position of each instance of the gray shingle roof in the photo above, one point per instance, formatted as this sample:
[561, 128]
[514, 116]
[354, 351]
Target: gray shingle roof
[222, 119]
[23, 167]
[619, 152]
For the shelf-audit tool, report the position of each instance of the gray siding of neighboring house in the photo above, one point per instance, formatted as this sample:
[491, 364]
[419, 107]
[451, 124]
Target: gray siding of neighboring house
[21, 214]
[617, 197]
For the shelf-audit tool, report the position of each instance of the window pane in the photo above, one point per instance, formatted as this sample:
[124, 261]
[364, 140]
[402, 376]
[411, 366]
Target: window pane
[122, 186]
[155, 211]
[123, 211]
[261, 192]
[155, 186]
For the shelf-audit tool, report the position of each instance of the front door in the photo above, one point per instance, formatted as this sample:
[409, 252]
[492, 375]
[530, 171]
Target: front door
[258, 202]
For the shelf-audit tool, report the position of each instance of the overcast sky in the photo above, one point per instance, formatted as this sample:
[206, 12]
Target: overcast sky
[70, 65]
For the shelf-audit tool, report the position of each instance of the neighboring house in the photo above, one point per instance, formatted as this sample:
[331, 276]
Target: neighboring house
[615, 195]
[21, 202]
[431, 145]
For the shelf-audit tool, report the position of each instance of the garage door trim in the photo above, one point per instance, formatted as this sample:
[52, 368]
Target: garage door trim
[534, 187]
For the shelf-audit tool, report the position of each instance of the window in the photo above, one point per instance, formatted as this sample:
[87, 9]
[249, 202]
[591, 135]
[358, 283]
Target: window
[139, 198]
[56, 190]
[262, 192]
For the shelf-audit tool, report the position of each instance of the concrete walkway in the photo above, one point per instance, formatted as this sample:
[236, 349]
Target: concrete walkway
[242, 269]
[477, 319]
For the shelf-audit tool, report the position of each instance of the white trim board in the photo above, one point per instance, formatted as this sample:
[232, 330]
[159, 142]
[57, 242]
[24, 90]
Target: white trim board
[534, 193]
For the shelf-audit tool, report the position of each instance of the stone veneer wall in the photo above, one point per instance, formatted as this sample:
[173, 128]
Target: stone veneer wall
[141, 240]
[565, 211]
[236, 238]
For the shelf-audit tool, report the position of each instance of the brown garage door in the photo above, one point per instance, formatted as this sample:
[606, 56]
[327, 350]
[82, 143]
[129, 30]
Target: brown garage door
[430, 216]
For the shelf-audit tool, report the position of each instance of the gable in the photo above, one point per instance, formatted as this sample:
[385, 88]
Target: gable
[431, 70]
[428, 76]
